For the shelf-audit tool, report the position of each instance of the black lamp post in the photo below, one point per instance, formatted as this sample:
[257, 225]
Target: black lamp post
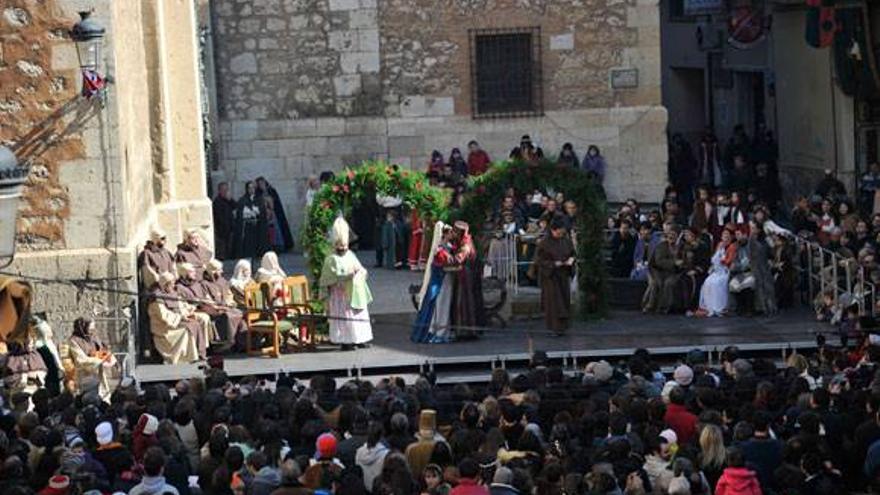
[12, 178]
[88, 35]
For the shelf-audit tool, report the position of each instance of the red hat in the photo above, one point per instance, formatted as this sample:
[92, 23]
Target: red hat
[58, 485]
[326, 446]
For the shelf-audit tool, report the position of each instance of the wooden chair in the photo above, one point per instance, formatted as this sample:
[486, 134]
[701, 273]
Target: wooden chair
[262, 320]
[298, 302]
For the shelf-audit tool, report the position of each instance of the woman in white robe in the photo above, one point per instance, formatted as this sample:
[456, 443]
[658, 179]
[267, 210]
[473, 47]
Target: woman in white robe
[714, 292]
[344, 281]
[241, 278]
[271, 273]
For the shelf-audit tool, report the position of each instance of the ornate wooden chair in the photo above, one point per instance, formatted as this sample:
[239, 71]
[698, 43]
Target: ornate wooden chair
[300, 306]
[262, 320]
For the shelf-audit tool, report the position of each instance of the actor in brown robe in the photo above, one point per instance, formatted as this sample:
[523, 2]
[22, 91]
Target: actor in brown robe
[155, 259]
[193, 251]
[180, 334]
[467, 292]
[193, 292]
[230, 324]
[554, 258]
[664, 266]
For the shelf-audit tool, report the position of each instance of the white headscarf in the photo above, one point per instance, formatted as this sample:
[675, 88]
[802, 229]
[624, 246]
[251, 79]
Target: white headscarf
[435, 241]
[239, 279]
[270, 270]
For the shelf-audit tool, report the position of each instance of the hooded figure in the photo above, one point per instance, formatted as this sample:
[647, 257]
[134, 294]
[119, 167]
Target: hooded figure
[179, 333]
[266, 189]
[241, 277]
[345, 281]
[155, 259]
[90, 356]
[467, 289]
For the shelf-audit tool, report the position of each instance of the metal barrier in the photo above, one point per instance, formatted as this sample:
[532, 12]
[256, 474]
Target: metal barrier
[823, 271]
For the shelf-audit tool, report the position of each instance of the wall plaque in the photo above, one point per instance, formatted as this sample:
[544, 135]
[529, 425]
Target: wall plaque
[624, 78]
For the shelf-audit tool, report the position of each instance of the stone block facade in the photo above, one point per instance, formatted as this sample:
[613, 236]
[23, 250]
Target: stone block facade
[102, 171]
[311, 85]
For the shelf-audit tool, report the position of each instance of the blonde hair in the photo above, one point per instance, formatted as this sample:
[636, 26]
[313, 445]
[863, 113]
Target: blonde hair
[713, 452]
[798, 362]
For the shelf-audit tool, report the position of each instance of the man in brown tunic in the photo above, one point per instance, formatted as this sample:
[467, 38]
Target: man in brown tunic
[554, 258]
[155, 259]
[665, 266]
[193, 251]
[230, 323]
[194, 293]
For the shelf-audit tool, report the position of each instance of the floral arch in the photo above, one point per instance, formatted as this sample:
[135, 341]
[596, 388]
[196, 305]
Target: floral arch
[347, 190]
[487, 191]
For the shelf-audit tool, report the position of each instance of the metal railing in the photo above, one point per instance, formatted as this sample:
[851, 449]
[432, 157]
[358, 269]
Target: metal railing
[825, 272]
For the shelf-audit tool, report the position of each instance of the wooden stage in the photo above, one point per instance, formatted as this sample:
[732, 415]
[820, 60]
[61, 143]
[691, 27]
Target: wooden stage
[614, 338]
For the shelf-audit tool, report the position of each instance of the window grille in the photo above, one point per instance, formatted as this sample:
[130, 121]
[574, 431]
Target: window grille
[506, 72]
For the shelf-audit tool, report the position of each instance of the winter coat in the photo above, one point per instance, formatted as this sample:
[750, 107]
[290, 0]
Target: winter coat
[738, 481]
[153, 485]
[370, 460]
[265, 481]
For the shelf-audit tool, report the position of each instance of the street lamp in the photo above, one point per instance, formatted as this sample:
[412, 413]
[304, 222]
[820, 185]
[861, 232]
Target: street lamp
[12, 178]
[89, 36]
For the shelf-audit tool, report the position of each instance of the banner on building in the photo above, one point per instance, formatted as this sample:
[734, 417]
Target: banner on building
[703, 7]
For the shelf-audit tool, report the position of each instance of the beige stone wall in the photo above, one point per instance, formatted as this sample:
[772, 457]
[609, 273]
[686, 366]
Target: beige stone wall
[807, 142]
[310, 86]
[133, 161]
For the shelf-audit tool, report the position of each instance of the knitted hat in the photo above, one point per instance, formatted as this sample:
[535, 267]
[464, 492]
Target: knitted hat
[683, 375]
[73, 439]
[427, 424]
[601, 370]
[58, 485]
[104, 433]
[326, 446]
[669, 436]
[151, 425]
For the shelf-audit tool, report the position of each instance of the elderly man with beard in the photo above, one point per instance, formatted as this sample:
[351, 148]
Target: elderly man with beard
[195, 293]
[180, 334]
[193, 251]
[229, 323]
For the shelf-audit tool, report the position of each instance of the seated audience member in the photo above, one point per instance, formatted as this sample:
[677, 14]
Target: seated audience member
[271, 273]
[180, 334]
[742, 279]
[241, 278]
[695, 264]
[801, 218]
[155, 259]
[623, 244]
[645, 245]
[664, 266]
[194, 251]
[478, 160]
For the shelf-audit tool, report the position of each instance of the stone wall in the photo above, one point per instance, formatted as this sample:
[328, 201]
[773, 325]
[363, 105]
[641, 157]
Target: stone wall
[312, 85]
[103, 171]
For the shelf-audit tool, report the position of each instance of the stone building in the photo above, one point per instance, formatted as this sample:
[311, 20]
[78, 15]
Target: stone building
[102, 171]
[305, 86]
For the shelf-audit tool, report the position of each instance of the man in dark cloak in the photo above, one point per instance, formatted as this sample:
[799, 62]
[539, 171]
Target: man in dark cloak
[695, 257]
[555, 259]
[155, 260]
[266, 189]
[223, 208]
[467, 288]
[664, 266]
[193, 251]
[251, 234]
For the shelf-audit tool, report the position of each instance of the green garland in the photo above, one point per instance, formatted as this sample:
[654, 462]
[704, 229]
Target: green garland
[486, 191]
[348, 189]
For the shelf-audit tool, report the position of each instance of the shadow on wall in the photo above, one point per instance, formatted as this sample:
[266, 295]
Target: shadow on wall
[67, 120]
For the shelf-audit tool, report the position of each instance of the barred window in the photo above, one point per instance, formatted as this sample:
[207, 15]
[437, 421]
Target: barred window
[506, 72]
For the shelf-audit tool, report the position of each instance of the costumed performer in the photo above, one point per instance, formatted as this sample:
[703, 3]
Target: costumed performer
[714, 292]
[554, 258]
[90, 356]
[435, 298]
[344, 281]
[467, 293]
[180, 334]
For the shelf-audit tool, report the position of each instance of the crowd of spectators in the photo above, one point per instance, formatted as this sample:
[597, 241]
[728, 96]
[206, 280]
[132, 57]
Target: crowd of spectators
[744, 427]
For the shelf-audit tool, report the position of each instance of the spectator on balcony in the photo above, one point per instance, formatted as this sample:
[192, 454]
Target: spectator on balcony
[568, 157]
[478, 160]
[594, 164]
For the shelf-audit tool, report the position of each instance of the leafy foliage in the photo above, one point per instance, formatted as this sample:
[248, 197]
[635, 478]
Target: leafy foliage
[349, 188]
[487, 190]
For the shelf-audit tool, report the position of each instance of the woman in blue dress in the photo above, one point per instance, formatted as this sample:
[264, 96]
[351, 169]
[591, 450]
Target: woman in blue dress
[432, 322]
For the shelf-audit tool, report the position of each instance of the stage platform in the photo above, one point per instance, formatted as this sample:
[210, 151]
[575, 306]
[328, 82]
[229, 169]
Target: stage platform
[614, 338]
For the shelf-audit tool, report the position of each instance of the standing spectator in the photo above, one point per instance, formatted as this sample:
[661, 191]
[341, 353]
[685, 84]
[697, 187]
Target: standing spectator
[371, 455]
[830, 186]
[223, 208]
[682, 168]
[469, 482]
[868, 186]
[737, 479]
[153, 482]
[678, 418]
[710, 159]
[478, 160]
[265, 190]
[762, 451]
[567, 157]
[594, 163]
[459, 166]
[740, 145]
